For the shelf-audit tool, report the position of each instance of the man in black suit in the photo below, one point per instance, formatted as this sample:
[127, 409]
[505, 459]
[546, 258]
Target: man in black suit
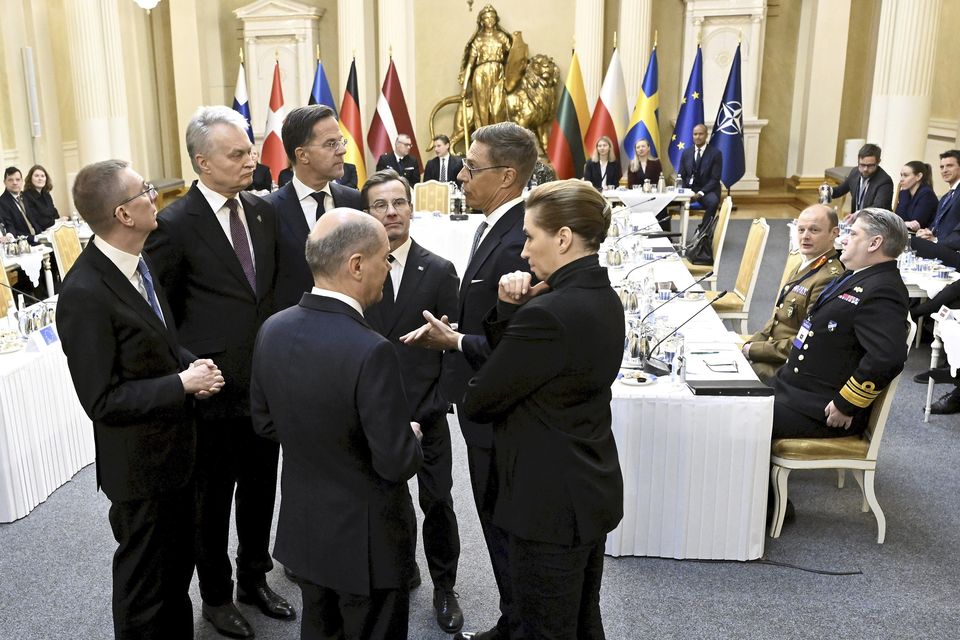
[420, 280]
[700, 168]
[445, 167]
[315, 147]
[135, 382]
[498, 165]
[400, 160]
[215, 255]
[869, 185]
[16, 214]
[262, 180]
[346, 523]
[349, 177]
[942, 240]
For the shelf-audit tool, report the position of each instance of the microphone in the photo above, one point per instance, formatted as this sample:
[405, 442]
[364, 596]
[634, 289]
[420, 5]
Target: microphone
[649, 365]
[660, 257]
[677, 295]
[638, 232]
[635, 204]
[25, 294]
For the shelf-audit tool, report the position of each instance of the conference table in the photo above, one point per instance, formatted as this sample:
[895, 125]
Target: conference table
[640, 201]
[34, 264]
[695, 468]
[45, 437]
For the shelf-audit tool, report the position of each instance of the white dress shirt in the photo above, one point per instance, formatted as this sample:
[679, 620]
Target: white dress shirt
[218, 203]
[400, 255]
[308, 203]
[336, 295]
[127, 264]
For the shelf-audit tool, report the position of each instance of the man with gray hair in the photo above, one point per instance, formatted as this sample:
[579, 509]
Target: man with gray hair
[346, 526]
[853, 342]
[215, 255]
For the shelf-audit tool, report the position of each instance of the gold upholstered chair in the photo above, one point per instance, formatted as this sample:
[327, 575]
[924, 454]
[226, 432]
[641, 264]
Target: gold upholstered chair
[736, 304]
[719, 235]
[66, 246]
[857, 453]
[432, 195]
[6, 295]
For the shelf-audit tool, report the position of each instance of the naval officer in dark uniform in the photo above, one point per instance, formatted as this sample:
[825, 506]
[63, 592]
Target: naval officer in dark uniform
[853, 342]
[817, 230]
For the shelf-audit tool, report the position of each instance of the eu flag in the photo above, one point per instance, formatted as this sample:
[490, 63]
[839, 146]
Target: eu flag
[645, 122]
[320, 92]
[691, 112]
[728, 128]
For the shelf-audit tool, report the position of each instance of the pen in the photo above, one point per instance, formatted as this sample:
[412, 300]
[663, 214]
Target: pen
[703, 353]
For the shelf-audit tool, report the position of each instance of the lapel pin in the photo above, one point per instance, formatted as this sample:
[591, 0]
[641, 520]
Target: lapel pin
[259, 219]
[419, 267]
[858, 289]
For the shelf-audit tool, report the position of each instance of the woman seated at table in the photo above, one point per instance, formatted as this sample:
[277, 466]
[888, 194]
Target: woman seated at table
[603, 169]
[36, 191]
[917, 203]
[643, 167]
[557, 348]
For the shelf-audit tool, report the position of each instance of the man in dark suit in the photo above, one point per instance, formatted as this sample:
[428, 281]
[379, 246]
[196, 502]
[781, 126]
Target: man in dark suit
[400, 160]
[349, 177]
[853, 342]
[262, 180]
[346, 525]
[420, 280]
[869, 185]
[942, 240]
[700, 168]
[498, 165]
[315, 147]
[445, 167]
[16, 214]
[135, 382]
[215, 254]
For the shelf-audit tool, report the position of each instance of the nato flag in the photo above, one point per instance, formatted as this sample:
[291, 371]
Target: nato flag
[728, 128]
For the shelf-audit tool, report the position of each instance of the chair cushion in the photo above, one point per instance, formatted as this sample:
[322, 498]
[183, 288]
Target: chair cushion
[730, 303]
[697, 269]
[821, 448]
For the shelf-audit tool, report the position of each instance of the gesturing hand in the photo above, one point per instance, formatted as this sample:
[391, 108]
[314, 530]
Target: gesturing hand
[514, 288]
[436, 334]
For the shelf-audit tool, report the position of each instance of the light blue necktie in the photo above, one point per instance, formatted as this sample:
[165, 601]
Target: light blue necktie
[144, 272]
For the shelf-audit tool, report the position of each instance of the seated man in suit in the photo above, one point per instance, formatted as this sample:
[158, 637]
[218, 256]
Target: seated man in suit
[262, 180]
[326, 386]
[17, 216]
[869, 185]
[421, 280]
[137, 384]
[817, 229]
[942, 240]
[853, 341]
[445, 166]
[315, 147]
[349, 177]
[700, 168]
[400, 160]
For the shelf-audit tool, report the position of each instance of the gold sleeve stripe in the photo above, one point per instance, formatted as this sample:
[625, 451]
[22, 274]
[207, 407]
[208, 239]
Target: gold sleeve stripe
[856, 398]
[867, 388]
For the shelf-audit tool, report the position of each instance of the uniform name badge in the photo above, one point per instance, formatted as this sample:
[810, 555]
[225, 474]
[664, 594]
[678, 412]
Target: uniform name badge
[802, 334]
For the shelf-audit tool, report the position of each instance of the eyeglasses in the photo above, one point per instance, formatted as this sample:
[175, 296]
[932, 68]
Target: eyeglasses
[380, 206]
[148, 190]
[331, 145]
[864, 165]
[472, 169]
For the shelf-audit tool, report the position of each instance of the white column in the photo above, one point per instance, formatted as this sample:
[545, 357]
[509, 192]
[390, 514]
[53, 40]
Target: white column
[903, 80]
[818, 80]
[588, 41]
[396, 35]
[87, 64]
[634, 41]
[116, 96]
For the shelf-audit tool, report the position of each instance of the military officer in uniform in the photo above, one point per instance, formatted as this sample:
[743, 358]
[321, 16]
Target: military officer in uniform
[853, 341]
[817, 230]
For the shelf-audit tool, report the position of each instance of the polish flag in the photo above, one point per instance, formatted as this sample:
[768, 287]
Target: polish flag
[391, 118]
[610, 116]
[272, 153]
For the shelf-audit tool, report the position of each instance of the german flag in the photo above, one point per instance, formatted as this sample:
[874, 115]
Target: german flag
[351, 127]
[565, 147]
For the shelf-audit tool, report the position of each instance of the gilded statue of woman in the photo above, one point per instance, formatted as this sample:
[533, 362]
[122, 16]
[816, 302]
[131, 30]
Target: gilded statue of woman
[482, 68]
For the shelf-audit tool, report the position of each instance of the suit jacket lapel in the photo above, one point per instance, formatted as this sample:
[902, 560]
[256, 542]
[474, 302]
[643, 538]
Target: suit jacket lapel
[490, 242]
[410, 283]
[259, 240]
[211, 233]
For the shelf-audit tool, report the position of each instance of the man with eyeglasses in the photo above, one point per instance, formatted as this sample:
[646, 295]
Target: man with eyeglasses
[400, 160]
[315, 147]
[137, 385]
[420, 280]
[215, 255]
[868, 183]
[497, 167]
[17, 215]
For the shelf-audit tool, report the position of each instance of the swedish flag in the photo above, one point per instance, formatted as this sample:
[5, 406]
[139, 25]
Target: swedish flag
[645, 121]
[691, 112]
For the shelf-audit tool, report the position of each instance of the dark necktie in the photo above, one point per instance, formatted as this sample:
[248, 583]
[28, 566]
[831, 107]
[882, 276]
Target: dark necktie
[832, 288]
[144, 272]
[443, 169]
[942, 211]
[863, 191]
[23, 212]
[476, 240]
[389, 297]
[321, 208]
[697, 159]
[240, 244]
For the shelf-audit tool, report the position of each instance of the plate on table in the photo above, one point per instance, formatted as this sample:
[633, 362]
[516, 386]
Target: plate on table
[636, 378]
[10, 347]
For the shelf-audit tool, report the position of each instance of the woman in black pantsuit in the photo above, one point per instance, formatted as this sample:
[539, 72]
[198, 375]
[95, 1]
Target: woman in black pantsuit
[546, 389]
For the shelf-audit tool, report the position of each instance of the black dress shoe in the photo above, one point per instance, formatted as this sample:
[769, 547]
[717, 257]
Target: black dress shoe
[416, 580]
[948, 404]
[492, 634]
[267, 600]
[940, 375]
[227, 620]
[447, 606]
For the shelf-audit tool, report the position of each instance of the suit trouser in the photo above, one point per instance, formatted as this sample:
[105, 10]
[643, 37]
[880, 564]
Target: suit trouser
[790, 423]
[441, 537]
[230, 456]
[710, 202]
[557, 588]
[153, 566]
[483, 480]
[329, 614]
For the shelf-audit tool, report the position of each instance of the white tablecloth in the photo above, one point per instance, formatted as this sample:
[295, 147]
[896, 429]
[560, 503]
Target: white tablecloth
[45, 437]
[450, 239]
